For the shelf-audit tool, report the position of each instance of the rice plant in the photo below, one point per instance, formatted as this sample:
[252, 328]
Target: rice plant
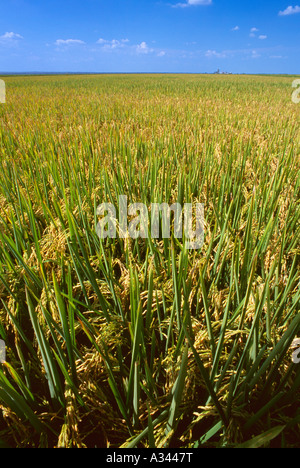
[123, 342]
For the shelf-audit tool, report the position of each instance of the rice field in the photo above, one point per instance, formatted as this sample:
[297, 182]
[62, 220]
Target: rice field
[142, 343]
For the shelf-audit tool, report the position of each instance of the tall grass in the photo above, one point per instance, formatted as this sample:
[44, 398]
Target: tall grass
[129, 343]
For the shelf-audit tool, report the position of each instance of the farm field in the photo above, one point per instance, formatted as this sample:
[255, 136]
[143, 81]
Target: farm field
[123, 342]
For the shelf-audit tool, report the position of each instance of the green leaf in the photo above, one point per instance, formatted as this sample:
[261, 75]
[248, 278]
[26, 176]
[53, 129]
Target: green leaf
[262, 439]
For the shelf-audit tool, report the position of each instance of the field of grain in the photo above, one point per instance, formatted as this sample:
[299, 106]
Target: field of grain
[141, 342]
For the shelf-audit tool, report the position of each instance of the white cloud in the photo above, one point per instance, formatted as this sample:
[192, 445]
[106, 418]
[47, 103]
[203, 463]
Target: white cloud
[199, 2]
[214, 53]
[243, 54]
[189, 3]
[10, 36]
[255, 54]
[60, 42]
[112, 44]
[143, 48]
[290, 11]
[236, 28]
[124, 44]
[253, 31]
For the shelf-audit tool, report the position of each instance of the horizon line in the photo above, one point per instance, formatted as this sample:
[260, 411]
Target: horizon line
[28, 73]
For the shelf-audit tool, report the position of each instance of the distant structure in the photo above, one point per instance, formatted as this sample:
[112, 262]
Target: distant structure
[218, 72]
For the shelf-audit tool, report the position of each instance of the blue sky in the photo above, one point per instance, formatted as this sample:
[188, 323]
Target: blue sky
[193, 36]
